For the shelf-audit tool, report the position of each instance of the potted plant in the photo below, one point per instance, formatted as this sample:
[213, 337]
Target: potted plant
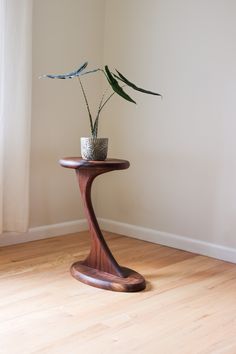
[94, 148]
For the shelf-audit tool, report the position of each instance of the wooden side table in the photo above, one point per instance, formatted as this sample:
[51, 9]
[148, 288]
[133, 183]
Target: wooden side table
[100, 269]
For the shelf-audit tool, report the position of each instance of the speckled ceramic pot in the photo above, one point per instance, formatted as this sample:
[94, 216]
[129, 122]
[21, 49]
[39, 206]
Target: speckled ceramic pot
[94, 148]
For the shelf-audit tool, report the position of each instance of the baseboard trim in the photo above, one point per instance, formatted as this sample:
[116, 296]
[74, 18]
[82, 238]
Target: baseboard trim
[42, 232]
[167, 239]
[163, 238]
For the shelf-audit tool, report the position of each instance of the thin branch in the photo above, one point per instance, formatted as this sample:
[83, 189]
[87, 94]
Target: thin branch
[106, 101]
[87, 105]
[95, 127]
[103, 96]
[101, 106]
[90, 71]
[99, 111]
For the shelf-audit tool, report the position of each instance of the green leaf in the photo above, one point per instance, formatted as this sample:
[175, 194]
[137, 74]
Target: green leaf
[127, 82]
[70, 75]
[115, 85]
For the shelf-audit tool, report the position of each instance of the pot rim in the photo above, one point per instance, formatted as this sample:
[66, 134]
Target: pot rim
[90, 137]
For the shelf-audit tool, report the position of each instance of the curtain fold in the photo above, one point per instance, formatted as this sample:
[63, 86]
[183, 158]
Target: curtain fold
[15, 113]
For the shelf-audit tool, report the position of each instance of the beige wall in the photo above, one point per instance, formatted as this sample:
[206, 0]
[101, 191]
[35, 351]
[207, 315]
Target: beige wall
[182, 148]
[65, 34]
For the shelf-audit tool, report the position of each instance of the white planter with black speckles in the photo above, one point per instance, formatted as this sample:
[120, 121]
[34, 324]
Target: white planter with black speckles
[94, 148]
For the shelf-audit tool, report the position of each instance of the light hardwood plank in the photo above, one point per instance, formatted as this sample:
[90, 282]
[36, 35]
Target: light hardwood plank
[189, 306]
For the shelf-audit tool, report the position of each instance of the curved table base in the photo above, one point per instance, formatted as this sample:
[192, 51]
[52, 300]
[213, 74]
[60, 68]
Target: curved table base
[100, 268]
[132, 282]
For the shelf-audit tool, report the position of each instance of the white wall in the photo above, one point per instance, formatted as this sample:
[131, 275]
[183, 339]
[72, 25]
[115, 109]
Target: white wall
[65, 34]
[182, 149]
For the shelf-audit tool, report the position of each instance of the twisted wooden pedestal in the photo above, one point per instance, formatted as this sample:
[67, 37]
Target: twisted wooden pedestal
[100, 269]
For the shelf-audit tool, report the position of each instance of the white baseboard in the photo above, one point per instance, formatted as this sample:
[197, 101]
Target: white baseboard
[176, 241]
[141, 233]
[42, 232]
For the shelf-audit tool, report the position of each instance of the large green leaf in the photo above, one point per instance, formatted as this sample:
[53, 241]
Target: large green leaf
[70, 75]
[127, 82]
[115, 85]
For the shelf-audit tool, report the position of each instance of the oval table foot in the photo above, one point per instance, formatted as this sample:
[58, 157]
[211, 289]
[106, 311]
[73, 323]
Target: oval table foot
[132, 282]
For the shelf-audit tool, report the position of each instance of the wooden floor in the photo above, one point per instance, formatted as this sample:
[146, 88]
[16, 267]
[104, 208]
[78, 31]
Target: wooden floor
[189, 306]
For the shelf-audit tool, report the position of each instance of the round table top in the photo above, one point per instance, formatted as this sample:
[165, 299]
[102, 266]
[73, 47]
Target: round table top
[78, 163]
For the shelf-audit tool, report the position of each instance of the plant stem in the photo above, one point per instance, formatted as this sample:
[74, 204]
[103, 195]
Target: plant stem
[99, 111]
[88, 109]
[106, 102]
[96, 120]
[103, 96]
[94, 126]
[101, 106]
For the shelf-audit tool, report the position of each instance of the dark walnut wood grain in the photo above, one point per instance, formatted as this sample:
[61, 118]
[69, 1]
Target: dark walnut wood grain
[100, 269]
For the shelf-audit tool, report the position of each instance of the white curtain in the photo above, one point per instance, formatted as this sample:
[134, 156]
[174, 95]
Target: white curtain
[15, 112]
